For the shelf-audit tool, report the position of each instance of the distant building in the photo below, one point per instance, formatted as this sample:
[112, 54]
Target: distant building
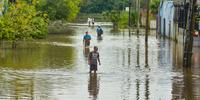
[171, 20]
[165, 19]
[127, 9]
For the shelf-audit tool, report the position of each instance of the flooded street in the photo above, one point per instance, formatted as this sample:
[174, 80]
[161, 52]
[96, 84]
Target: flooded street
[57, 69]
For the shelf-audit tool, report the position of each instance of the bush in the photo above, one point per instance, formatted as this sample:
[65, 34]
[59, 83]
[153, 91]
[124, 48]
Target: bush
[120, 18]
[59, 9]
[22, 21]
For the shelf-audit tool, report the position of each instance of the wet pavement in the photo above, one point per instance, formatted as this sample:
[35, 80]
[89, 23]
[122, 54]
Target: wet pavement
[56, 69]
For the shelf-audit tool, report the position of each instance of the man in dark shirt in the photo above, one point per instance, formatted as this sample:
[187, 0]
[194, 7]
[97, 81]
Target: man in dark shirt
[94, 59]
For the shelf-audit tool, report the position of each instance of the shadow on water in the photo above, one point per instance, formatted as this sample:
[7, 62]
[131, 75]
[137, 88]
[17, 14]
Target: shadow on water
[93, 86]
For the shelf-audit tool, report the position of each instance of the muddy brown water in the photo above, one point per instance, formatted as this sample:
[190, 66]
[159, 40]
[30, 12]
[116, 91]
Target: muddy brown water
[56, 69]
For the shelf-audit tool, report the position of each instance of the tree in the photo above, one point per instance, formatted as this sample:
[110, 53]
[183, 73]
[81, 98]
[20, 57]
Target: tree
[99, 6]
[59, 9]
[154, 6]
[22, 21]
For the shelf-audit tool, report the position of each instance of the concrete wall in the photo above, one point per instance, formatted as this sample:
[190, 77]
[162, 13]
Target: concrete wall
[167, 16]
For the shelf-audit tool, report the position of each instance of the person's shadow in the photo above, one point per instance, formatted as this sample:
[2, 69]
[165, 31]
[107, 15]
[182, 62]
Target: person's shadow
[93, 86]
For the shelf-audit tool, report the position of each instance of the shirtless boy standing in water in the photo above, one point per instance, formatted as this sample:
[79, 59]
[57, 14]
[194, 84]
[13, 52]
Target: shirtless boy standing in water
[94, 59]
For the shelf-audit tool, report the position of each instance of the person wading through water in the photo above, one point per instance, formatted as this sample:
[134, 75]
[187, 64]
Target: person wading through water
[86, 39]
[94, 59]
[99, 31]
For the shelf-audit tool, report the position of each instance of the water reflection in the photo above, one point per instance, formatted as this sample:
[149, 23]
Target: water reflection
[129, 57]
[129, 32]
[93, 86]
[186, 85]
[16, 88]
[34, 55]
[147, 88]
[55, 69]
[86, 51]
[2, 49]
[99, 38]
[137, 89]
[146, 54]
[138, 53]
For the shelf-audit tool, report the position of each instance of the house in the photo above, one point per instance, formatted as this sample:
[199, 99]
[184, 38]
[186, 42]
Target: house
[171, 21]
[165, 19]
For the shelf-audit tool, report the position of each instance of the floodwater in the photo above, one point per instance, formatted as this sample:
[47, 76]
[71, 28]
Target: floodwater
[57, 69]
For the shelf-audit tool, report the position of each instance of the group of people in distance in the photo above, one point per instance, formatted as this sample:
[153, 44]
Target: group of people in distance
[90, 21]
[93, 57]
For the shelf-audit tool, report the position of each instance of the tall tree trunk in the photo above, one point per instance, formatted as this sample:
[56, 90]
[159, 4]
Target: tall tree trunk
[129, 14]
[189, 34]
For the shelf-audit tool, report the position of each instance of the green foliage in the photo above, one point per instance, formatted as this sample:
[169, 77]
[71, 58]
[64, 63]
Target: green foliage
[99, 6]
[123, 21]
[114, 17]
[197, 13]
[154, 6]
[59, 9]
[134, 17]
[22, 21]
[120, 19]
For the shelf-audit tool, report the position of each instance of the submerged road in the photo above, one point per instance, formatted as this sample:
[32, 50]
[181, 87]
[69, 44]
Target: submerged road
[56, 69]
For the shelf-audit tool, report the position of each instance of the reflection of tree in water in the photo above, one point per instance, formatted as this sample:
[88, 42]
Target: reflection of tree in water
[137, 89]
[147, 93]
[45, 53]
[16, 89]
[183, 87]
[93, 86]
[188, 86]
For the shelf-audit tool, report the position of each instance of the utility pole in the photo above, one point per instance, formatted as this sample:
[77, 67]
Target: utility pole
[129, 14]
[189, 34]
[146, 33]
[147, 21]
[138, 19]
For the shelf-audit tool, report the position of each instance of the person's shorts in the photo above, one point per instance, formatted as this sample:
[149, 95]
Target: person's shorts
[93, 67]
[99, 34]
[87, 44]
